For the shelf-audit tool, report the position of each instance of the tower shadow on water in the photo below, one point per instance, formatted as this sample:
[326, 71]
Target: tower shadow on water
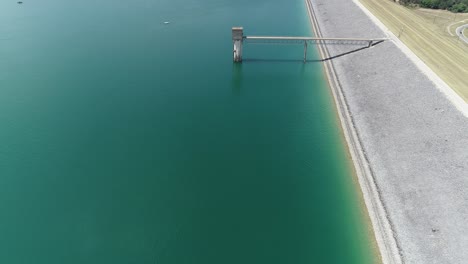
[237, 77]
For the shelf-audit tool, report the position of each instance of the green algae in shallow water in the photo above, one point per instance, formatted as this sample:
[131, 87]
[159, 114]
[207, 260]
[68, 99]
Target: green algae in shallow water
[128, 141]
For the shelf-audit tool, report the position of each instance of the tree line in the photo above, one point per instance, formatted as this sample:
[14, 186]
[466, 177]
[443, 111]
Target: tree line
[458, 6]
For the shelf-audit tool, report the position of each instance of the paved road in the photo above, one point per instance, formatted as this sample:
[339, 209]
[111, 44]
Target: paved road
[459, 32]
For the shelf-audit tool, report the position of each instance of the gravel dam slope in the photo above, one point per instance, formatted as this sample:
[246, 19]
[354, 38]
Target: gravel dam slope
[414, 139]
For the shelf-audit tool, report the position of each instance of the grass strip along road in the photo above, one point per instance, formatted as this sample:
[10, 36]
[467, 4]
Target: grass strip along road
[446, 57]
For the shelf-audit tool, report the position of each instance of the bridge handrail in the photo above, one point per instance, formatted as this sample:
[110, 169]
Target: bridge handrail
[310, 38]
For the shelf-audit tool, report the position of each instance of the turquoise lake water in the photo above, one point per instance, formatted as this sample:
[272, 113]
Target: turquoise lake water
[124, 140]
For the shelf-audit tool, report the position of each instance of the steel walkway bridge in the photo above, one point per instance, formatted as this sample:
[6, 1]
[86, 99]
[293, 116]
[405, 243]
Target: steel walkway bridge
[238, 39]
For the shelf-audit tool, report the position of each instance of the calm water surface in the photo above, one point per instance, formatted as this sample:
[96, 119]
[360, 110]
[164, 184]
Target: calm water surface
[124, 140]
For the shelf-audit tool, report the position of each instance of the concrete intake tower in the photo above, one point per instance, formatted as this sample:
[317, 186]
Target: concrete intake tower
[237, 38]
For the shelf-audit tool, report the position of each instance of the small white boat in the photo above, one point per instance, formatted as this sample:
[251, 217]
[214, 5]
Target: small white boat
[167, 22]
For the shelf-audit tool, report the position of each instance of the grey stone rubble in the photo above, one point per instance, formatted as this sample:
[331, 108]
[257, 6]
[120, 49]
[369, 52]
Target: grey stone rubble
[414, 138]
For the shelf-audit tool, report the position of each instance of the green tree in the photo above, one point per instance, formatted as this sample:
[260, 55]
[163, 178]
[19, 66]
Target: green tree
[452, 5]
[460, 7]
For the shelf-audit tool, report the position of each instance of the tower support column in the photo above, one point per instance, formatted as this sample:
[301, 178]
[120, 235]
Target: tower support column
[305, 51]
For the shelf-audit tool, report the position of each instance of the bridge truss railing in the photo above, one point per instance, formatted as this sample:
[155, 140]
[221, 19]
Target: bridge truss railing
[310, 41]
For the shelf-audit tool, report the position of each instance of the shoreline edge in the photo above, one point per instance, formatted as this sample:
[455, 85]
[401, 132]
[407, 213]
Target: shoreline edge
[382, 228]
